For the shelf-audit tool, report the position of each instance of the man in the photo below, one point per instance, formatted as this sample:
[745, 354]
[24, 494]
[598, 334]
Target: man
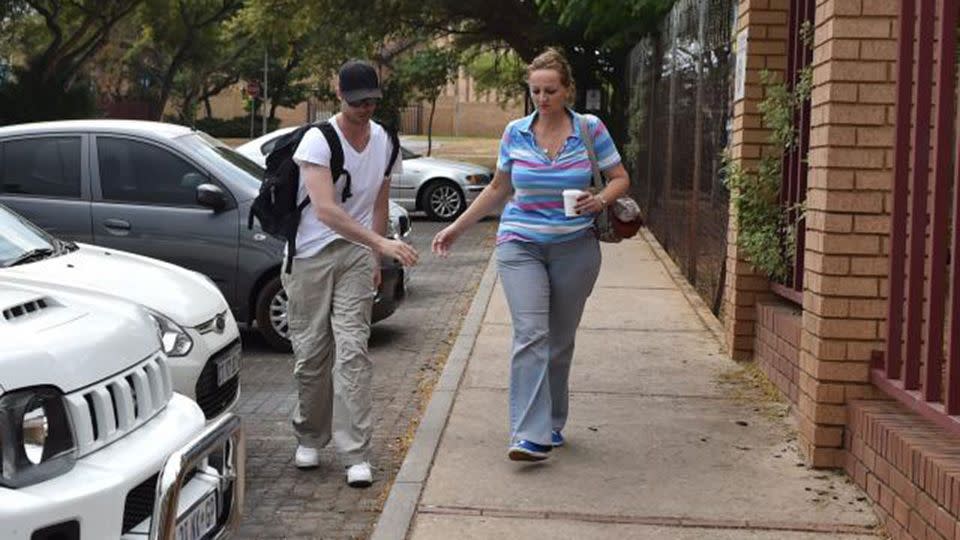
[335, 275]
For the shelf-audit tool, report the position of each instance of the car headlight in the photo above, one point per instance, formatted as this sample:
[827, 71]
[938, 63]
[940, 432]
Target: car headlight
[477, 179]
[398, 222]
[176, 341]
[36, 436]
[393, 228]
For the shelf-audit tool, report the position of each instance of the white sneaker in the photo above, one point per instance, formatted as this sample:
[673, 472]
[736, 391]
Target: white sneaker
[360, 475]
[306, 457]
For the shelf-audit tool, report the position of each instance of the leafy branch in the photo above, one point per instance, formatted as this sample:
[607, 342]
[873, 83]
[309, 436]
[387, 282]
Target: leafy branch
[767, 229]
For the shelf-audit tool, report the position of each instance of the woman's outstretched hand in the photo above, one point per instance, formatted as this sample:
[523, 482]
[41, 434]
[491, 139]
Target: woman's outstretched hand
[444, 240]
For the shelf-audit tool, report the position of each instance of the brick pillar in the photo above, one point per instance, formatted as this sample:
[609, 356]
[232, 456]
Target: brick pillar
[765, 24]
[848, 201]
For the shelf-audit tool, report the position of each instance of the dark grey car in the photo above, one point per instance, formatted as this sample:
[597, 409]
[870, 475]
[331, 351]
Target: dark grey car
[164, 191]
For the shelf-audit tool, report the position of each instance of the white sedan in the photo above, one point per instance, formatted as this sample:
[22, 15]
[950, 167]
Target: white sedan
[441, 188]
[194, 322]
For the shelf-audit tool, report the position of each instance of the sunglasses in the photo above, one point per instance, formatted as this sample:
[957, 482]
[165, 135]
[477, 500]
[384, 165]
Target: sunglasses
[368, 102]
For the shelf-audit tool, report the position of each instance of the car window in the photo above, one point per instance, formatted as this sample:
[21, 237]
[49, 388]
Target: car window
[18, 237]
[45, 167]
[220, 157]
[133, 171]
[407, 154]
[268, 146]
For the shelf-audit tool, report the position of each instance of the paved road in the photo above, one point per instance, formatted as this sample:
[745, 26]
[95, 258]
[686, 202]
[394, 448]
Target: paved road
[406, 348]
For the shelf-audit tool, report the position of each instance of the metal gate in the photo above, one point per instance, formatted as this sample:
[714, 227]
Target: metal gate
[924, 297]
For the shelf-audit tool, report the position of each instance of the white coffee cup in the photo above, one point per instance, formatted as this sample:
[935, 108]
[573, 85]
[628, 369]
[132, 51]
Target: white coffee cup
[570, 197]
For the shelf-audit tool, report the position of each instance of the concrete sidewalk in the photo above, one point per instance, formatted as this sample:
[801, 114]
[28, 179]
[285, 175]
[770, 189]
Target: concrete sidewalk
[657, 445]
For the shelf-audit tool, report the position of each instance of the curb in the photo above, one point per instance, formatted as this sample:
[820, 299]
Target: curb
[401, 504]
[709, 320]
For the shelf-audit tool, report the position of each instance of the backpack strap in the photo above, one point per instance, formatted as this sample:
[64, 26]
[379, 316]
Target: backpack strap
[292, 234]
[336, 158]
[394, 151]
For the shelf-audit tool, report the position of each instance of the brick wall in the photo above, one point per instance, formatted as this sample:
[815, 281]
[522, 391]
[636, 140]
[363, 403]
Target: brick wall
[472, 119]
[777, 345]
[909, 468]
[848, 203]
[765, 22]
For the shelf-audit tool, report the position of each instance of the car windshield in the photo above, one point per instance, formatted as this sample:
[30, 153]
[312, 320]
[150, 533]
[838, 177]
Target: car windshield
[20, 239]
[219, 155]
[407, 154]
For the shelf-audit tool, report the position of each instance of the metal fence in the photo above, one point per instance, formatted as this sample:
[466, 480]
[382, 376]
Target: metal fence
[411, 120]
[680, 110]
[924, 297]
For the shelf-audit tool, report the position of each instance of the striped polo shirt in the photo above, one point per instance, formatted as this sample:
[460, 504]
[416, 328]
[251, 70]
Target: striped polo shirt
[535, 213]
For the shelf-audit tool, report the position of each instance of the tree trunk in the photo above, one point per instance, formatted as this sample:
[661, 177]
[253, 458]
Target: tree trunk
[207, 108]
[167, 85]
[433, 109]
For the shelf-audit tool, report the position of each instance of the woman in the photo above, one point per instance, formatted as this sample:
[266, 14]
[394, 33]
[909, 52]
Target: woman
[548, 262]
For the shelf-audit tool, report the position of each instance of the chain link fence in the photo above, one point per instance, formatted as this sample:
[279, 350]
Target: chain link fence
[680, 114]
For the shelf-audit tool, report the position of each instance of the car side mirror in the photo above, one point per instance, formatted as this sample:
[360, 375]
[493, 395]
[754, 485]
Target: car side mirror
[211, 196]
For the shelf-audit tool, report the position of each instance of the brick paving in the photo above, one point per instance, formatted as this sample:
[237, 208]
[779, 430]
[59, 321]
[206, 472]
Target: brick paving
[407, 350]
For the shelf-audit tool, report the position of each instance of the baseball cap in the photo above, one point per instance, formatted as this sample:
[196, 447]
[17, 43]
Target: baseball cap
[358, 81]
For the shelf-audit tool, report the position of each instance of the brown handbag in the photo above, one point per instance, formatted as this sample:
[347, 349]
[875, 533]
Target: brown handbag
[622, 218]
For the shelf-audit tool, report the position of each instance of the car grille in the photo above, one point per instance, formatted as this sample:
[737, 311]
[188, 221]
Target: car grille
[140, 501]
[215, 399]
[108, 410]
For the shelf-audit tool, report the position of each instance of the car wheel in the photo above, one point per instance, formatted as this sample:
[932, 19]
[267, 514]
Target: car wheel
[443, 201]
[272, 314]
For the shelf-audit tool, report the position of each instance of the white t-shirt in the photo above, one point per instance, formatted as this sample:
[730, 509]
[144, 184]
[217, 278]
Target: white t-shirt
[367, 171]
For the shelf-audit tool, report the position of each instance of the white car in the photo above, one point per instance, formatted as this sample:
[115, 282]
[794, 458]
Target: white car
[198, 331]
[94, 443]
[441, 188]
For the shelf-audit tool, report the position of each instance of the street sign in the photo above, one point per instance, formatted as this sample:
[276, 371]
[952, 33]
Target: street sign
[253, 88]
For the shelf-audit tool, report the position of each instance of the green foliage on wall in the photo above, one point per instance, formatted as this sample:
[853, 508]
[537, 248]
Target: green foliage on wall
[766, 229]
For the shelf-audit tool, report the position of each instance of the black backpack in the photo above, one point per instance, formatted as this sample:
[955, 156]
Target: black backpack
[276, 207]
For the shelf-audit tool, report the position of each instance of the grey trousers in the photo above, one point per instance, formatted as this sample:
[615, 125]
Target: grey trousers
[330, 298]
[546, 286]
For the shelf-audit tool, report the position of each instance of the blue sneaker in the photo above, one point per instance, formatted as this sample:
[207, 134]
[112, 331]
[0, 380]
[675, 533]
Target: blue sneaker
[556, 438]
[525, 450]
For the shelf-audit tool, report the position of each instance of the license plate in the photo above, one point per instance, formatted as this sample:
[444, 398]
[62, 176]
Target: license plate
[228, 366]
[199, 520]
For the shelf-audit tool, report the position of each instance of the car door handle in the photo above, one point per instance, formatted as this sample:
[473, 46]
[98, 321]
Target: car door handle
[117, 226]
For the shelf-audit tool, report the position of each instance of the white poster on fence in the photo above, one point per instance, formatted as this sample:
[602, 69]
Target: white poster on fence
[740, 74]
[593, 100]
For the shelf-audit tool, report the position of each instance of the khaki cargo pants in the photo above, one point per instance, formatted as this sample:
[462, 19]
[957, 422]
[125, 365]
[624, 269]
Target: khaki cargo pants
[330, 298]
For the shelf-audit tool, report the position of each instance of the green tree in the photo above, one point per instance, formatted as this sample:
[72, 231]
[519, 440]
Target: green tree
[496, 68]
[305, 45]
[52, 44]
[595, 34]
[427, 72]
[181, 45]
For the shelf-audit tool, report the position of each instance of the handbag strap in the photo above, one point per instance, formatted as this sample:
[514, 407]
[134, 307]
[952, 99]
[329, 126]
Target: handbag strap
[598, 180]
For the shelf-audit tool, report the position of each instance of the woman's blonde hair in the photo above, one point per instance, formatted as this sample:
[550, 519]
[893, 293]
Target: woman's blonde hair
[553, 59]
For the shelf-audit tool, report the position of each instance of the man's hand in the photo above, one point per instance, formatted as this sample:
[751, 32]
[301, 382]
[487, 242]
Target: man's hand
[399, 250]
